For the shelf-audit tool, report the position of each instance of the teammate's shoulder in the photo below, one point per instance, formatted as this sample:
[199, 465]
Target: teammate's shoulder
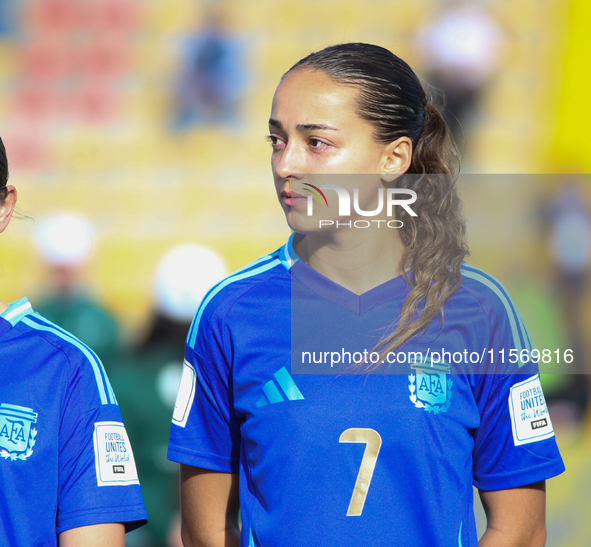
[44, 329]
[51, 345]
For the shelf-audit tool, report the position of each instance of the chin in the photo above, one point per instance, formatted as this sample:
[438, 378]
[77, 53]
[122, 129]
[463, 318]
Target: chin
[303, 224]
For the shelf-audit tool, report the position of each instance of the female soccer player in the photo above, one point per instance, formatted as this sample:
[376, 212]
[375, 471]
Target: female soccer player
[66, 467]
[350, 388]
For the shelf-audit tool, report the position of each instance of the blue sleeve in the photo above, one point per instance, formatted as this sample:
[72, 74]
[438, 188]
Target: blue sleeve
[513, 446]
[515, 443]
[205, 430]
[97, 481]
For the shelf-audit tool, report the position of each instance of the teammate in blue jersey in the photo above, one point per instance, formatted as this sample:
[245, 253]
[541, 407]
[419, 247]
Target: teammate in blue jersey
[66, 467]
[352, 387]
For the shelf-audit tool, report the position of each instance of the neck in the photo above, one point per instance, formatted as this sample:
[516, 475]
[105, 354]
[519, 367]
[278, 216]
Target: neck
[3, 306]
[356, 259]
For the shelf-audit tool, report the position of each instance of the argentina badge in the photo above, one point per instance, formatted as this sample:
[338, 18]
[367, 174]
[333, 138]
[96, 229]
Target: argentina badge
[17, 436]
[430, 388]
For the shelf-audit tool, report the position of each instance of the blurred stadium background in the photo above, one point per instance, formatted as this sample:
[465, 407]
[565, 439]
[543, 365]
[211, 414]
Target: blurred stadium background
[99, 118]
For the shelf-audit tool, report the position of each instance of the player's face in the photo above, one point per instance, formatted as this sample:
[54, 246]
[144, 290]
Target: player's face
[314, 130]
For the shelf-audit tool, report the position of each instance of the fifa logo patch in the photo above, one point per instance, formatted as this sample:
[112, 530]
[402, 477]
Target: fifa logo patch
[530, 421]
[430, 388]
[113, 457]
[17, 437]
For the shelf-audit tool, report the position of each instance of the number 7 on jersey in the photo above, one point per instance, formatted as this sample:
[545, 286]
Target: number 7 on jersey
[373, 443]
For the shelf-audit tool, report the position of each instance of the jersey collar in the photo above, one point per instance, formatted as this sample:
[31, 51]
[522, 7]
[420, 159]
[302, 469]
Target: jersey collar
[393, 289]
[287, 254]
[16, 311]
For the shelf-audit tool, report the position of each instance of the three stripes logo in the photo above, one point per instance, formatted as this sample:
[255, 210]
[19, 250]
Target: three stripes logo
[273, 394]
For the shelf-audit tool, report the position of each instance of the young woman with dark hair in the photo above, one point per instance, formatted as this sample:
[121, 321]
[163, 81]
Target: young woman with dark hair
[66, 468]
[382, 450]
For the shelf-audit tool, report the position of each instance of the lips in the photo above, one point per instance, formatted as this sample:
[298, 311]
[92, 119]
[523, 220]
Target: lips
[293, 199]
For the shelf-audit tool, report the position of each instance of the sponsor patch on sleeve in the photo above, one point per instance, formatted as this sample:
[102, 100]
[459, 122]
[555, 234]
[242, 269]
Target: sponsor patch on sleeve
[113, 457]
[530, 421]
[185, 396]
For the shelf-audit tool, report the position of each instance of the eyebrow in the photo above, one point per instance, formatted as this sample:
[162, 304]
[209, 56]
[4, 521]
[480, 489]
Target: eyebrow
[304, 126]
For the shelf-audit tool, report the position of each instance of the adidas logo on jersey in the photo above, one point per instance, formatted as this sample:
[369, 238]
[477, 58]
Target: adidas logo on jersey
[272, 393]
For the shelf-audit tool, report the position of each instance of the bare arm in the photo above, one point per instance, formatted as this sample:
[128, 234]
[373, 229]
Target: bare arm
[515, 517]
[209, 508]
[97, 535]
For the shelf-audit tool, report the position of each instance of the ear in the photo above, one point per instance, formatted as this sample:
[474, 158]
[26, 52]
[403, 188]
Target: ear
[7, 207]
[396, 157]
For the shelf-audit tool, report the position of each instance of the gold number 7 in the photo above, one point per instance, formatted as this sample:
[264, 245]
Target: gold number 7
[373, 443]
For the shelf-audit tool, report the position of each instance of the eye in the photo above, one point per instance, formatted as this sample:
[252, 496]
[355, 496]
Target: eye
[317, 144]
[275, 141]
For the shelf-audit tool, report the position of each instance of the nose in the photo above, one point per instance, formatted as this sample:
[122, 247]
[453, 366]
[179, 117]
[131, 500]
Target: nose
[289, 161]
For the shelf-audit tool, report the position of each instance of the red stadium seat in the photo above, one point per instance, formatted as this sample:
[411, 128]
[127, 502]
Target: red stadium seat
[112, 16]
[96, 103]
[36, 101]
[105, 59]
[47, 58]
[28, 145]
[54, 15]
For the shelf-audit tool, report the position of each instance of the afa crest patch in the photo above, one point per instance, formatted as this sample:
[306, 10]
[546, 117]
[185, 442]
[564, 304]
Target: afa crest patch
[430, 388]
[17, 436]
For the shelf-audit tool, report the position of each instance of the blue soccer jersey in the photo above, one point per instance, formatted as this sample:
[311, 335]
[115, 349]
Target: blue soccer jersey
[328, 454]
[65, 459]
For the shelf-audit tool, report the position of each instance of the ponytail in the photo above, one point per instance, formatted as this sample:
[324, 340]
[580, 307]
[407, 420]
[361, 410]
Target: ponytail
[434, 240]
[435, 151]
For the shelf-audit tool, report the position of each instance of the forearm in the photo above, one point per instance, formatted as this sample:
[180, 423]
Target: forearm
[209, 508]
[227, 537]
[515, 517]
[97, 535]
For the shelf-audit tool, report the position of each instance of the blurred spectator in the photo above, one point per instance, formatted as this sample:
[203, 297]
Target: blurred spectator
[212, 79]
[146, 384]
[460, 49]
[65, 242]
[570, 241]
[568, 218]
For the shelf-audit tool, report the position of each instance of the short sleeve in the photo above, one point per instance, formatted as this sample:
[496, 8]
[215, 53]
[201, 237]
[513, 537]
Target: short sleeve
[97, 478]
[514, 444]
[205, 431]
